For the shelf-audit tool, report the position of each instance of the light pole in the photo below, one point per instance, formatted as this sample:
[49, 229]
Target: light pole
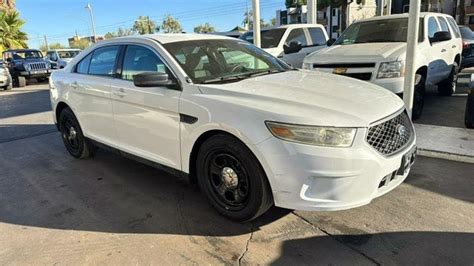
[256, 23]
[312, 13]
[412, 42]
[89, 7]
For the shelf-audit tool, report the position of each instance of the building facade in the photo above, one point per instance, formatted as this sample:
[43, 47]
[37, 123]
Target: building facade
[330, 16]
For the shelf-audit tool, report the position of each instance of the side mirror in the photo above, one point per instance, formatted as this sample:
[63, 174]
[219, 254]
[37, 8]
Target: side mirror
[293, 47]
[330, 42]
[152, 79]
[9, 59]
[441, 36]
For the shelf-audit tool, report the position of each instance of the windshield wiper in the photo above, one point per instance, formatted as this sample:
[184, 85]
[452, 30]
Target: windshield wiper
[223, 79]
[266, 72]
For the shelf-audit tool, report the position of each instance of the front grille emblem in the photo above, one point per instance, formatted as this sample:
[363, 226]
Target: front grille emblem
[340, 70]
[401, 130]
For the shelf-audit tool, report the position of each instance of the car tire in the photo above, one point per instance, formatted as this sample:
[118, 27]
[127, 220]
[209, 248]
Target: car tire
[418, 99]
[469, 114]
[232, 178]
[448, 86]
[9, 87]
[21, 81]
[71, 133]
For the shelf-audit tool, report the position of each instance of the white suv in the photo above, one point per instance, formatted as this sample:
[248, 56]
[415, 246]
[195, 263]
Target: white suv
[375, 49]
[60, 57]
[291, 42]
[250, 129]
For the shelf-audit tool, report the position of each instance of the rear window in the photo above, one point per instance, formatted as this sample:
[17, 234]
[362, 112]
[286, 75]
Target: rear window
[269, 38]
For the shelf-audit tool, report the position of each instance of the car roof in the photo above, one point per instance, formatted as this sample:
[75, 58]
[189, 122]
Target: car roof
[291, 26]
[174, 37]
[22, 50]
[64, 49]
[404, 15]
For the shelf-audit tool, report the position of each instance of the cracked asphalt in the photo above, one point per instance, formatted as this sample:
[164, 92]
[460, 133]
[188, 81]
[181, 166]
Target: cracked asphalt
[111, 210]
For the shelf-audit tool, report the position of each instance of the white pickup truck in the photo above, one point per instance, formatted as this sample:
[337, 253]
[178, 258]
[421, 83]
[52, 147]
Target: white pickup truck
[291, 43]
[375, 50]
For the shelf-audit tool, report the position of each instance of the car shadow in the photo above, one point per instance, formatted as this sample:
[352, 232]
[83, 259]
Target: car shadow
[44, 187]
[10, 132]
[395, 248]
[24, 103]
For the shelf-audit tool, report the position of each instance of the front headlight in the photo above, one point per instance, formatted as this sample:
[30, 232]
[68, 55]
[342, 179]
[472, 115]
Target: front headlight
[307, 66]
[313, 135]
[27, 67]
[394, 69]
[48, 64]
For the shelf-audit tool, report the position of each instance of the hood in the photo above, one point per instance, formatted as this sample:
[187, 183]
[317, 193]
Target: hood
[29, 60]
[309, 97]
[361, 52]
[67, 60]
[273, 51]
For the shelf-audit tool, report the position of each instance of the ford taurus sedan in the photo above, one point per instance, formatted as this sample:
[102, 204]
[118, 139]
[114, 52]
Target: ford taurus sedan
[252, 131]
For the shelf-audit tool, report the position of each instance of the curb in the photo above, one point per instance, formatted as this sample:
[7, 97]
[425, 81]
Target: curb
[445, 156]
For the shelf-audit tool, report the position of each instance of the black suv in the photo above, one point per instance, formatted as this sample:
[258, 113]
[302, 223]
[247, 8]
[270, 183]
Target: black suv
[26, 64]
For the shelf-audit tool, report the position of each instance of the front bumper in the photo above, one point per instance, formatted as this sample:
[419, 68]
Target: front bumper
[36, 74]
[5, 80]
[306, 177]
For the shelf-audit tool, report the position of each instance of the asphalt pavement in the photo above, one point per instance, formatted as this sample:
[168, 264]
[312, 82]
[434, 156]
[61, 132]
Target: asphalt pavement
[111, 210]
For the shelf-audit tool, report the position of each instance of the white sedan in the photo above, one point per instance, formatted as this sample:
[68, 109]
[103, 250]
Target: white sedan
[252, 131]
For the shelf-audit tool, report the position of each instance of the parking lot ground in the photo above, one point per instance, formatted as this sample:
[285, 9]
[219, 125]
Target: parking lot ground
[111, 210]
[444, 111]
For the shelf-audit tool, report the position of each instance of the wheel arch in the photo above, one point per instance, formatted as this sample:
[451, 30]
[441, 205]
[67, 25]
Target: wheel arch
[423, 70]
[457, 59]
[191, 162]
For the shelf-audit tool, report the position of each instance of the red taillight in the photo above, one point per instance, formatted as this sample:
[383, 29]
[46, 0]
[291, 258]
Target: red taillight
[465, 44]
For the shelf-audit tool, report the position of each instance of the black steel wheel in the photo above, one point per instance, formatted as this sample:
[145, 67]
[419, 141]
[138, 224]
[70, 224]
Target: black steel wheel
[76, 144]
[233, 179]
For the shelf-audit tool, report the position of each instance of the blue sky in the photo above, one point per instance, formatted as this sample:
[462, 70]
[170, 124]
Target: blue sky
[59, 19]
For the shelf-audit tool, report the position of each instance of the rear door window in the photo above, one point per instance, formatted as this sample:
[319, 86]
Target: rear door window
[298, 36]
[317, 36]
[103, 61]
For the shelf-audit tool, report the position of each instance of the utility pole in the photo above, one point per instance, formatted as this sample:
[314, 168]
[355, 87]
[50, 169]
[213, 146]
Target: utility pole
[89, 7]
[256, 23]
[46, 42]
[412, 42]
[247, 22]
[312, 13]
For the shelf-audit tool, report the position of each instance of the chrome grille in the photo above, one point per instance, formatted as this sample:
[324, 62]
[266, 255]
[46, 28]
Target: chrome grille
[37, 66]
[392, 135]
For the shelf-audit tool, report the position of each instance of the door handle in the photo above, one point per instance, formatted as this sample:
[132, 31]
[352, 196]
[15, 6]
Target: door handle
[443, 50]
[454, 46]
[120, 93]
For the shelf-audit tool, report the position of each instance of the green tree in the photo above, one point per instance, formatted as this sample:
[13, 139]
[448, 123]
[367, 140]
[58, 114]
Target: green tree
[11, 35]
[171, 25]
[204, 28]
[144, 25]
[110, 35]
[119, 33]
[248, 21]
[295, 3]
[80, 44]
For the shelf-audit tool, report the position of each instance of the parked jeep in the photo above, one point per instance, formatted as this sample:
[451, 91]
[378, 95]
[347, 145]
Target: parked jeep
[374, 50]
[26, 64]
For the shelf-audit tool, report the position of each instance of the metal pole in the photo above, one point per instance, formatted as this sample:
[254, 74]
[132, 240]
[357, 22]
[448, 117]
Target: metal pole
[412, 42]
[256, 23]
[89, 7]
[389, 7]
[380, 8]
[312, 13]
[46, 42]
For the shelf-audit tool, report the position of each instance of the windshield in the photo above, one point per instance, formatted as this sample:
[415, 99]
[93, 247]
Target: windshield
[269, 38]
[466, 33]
[68, 54]
[390, 30]
[218, 61]
[27, 54]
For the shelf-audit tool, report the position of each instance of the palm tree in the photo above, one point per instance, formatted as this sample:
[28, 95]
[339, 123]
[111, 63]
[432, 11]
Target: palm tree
[11, 35]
